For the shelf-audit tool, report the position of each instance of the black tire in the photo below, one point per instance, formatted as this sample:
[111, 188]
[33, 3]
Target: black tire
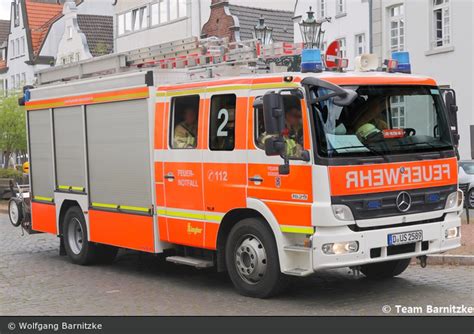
[470, 199]
[271, 281]
[19, 207]
[88, 253]
[384, 270]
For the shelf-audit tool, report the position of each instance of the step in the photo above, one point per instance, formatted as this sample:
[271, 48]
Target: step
[191, 261]
[298, 272]
[297, 248]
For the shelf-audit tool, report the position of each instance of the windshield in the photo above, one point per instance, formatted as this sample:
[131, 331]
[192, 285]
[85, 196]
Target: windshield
[382, 120]
[468, 167]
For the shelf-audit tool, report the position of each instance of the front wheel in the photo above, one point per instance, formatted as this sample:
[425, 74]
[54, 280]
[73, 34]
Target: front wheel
[252, 259]
[470, 198]
[383, 270]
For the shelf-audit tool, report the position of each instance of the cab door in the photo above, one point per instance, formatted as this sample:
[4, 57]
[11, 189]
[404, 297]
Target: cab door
[289, 197]
[225, 159]
[182, 171]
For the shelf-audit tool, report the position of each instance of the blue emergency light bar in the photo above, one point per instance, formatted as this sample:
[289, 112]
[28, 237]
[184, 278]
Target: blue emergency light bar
[311, 61]
[403, 62]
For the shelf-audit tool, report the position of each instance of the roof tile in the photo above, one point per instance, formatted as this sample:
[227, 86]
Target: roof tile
[41, 15]
[281, 21]
[99, 33]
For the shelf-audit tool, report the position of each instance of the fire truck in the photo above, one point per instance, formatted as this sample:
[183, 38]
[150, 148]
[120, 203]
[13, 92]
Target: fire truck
[204, 152]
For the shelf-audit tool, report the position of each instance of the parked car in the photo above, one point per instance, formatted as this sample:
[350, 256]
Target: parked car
[466, 180]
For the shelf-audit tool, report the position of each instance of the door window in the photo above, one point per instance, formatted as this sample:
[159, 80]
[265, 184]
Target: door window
[222, 127]
[184, 122]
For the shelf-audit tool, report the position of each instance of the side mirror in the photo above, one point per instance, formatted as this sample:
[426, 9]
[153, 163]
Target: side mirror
[341, 97]
[273, 113]
[452, 109]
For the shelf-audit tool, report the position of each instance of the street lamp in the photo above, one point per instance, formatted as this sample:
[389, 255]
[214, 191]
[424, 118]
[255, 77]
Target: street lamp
[311, 30]
[262, 32]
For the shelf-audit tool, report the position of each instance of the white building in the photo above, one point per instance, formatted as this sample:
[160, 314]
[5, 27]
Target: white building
[439, 34]
[144, 23]
[350, 24]
[37, 28]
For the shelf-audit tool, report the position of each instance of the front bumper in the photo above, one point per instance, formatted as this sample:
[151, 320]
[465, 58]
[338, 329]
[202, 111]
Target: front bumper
[433, 235]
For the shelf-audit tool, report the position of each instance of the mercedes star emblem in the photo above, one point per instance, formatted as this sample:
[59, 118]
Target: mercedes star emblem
[403, 201]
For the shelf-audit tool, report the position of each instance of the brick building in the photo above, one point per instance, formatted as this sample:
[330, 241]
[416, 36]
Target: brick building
[237, 22]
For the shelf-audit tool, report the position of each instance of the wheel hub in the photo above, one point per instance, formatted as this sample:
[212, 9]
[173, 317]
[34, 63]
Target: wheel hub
[251, 259]
[75, 236]
[14, 216]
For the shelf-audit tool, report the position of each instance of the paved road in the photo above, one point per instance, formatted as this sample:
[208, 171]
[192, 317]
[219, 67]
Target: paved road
[35, 280]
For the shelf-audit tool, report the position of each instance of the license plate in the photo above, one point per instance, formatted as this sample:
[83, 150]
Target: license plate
[404, 238]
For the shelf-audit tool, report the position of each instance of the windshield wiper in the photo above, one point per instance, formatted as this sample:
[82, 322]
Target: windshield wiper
[370, 148]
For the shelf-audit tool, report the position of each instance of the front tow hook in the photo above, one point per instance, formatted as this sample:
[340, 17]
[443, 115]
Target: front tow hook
[422, 259]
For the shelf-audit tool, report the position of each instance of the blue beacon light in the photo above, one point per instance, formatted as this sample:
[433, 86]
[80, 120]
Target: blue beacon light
[311, 61]
[403, 61]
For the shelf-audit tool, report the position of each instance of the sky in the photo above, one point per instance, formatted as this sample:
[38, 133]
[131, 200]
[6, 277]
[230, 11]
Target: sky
[5, 9]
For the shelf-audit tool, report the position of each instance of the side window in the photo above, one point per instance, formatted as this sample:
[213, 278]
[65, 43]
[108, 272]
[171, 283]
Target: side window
[259, 128]
[222, 127]
[184, 122]
[294, 126]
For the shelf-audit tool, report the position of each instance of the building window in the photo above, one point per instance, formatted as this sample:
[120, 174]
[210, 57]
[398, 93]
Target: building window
[12, 82]
[322, 8]
[183, 8]
[397, 108]
[69, 32]
[222, 127]
[397, 28]
[17, 47]
[22, 45]
[342, 47]
[360, 44]
[16, 13]
[128, 22]
[12, 49]
[155, 14]
[340, 7]
[23, 78]
[441, 23]
[121, 24]
[163, 11]
[140, 18]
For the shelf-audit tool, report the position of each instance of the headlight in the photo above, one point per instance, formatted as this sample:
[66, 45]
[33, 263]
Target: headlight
[340, 248]
[454, 200]
[452, 233]
[342, 212]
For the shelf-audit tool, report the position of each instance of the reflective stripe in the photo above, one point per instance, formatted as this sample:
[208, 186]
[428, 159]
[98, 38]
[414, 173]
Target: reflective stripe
[121, 207]
[105, 206]
[44, 199]
[227, 88]
[133, 208]
[297, 229]
[71, 188]
[188, 214]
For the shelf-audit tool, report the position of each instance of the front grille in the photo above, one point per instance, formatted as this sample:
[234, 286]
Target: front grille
[379, 205]
[356, 228]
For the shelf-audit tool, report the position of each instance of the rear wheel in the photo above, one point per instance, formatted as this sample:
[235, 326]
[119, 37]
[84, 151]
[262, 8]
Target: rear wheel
[76, 243]
[78, 247]
[252, 259]
[385, 270]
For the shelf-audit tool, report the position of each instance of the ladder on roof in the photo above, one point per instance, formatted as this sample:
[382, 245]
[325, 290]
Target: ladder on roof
[200, 58]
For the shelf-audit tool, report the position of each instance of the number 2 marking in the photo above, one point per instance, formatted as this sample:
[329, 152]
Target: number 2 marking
[220, 131]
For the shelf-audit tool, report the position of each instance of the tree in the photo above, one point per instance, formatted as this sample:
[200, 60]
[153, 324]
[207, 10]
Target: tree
[12, 126]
